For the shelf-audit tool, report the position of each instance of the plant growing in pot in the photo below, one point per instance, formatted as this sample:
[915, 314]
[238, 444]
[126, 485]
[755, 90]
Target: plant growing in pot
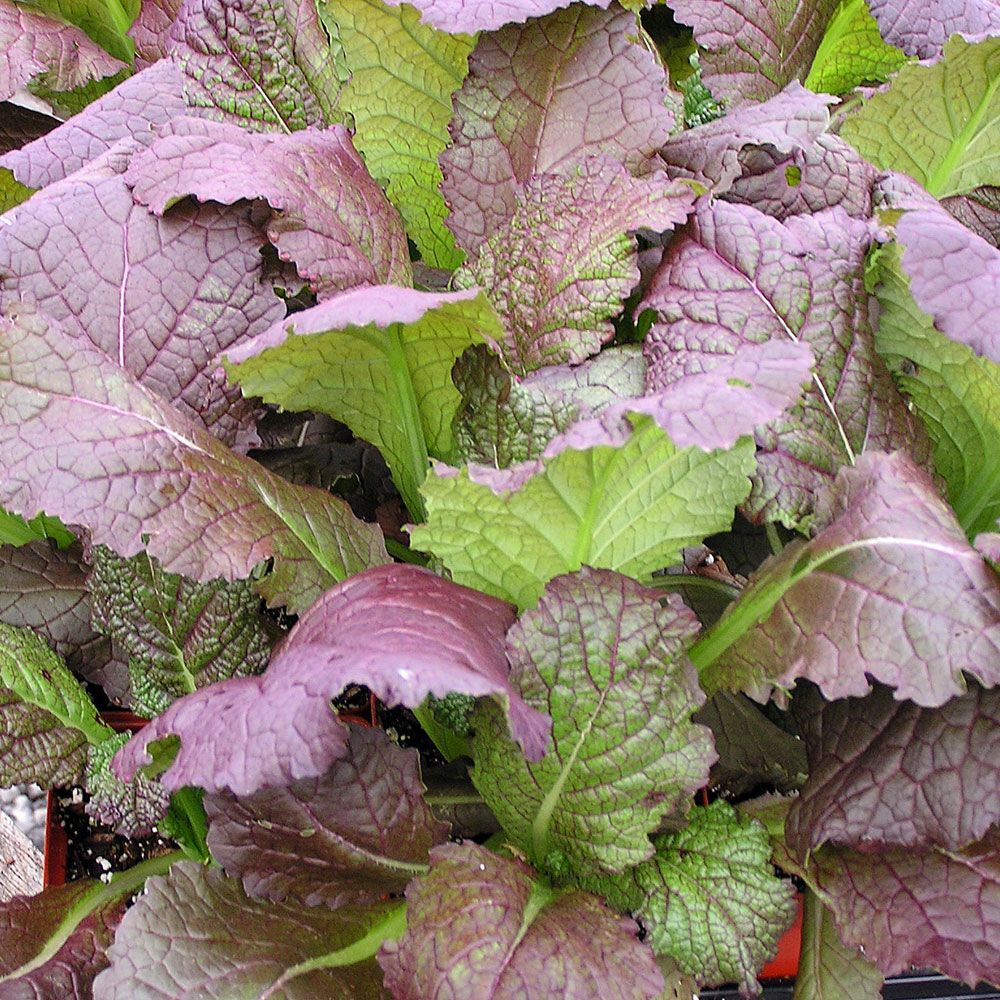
[592, 284]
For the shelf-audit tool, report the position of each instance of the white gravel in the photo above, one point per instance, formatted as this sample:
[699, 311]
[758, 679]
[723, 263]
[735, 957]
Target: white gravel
[25, 804]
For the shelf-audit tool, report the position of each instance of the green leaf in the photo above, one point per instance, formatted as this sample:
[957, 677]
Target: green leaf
[14, 530]
[940, 124]
[403, 73]
[631, 509]
[828, 969]
[179, 635]
[12, 192]
[46, 717]
[852, 52]
[955, 391]
[106, 21]
[379, 359]
[710, 899]
[603, 657]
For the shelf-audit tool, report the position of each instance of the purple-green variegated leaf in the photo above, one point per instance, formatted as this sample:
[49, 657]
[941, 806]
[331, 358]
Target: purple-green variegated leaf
[979, 210]
[480, 925]
[539, 99]
[267, 65]
[399, 629]
[892, 773]
[921, 27]
[33, 45]
[195, 933]
[926, 908]
[889, 590]
[162, 297]
[710, 154]
[44, 954]
[132, 808]
[754, 47]
[625, 755]
[471, 16]
[151, 30]
[330, 218]
[134, 109]
[357, 832]
[823, 175]
[82, 440]
[560, 267]
[736, 276]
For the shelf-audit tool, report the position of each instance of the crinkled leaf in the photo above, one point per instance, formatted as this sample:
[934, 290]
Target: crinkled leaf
[940, 124]
[54, 944]
[908, 908]
[132, 808]
[266, 65]
[398, 629]
[15, 530]
[852, 52]
[709, 897]
[825, 174]
[161, 296]
[44, 588]
[46, 717]
[403, 74]
[562, 265]
[753, 49]
[470, 16]
[503, 419]
[625, 755]
[539, 99]
[479, 925]
[828, 970]
[134, 109]
[888, 590]
[178, 635]
[736, 276]
[125, 464]
[955, 391]
[631, 508]
[385, 354]
[331, 220]
[921, 27]
[357, 832]
[710, 154]
[979, 210]
[105, 21]
[151, 30]
[34, 46]
[195, 932]
[883, 772]
[753, 750]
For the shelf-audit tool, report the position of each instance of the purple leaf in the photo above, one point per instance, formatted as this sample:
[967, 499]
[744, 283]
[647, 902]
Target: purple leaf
[194, 933]
[824, 175]
[19, 126]
[31, 927]
[330, 218]
[890, 590]
[710, 154]
[918, 908]
[979, 210]
[398, 629]
[625, 754]
[151, 30]
[884, 772]
[267, 65]
[754, 48]
[162, 296]
[471, 16]
[33, 45]
[479, 925]
[357, 832]
[562, 265]
[576, 83]
[134, 109]
[921, 27]
[736, 276]
[954, 276]
[80, 439]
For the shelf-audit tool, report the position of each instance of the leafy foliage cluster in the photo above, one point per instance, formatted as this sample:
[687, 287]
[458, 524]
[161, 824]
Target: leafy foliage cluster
[312, 306]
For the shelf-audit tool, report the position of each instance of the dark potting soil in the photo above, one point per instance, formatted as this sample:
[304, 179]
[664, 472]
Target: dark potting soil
[95, 850]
